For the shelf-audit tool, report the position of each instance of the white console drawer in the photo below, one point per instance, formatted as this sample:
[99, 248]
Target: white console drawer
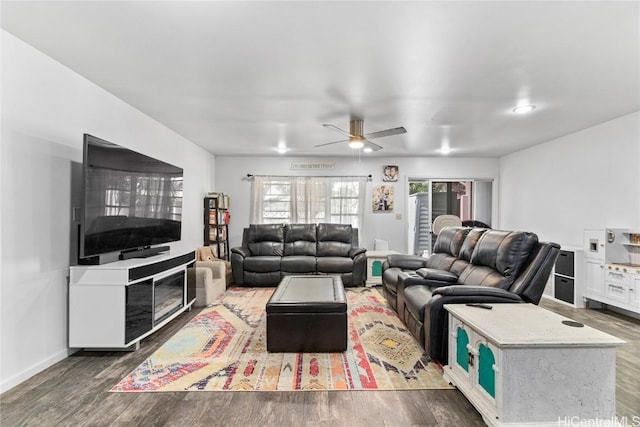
[617, 292]
[616, 277]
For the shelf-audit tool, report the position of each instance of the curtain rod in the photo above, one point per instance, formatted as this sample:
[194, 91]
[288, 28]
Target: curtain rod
[312, 176]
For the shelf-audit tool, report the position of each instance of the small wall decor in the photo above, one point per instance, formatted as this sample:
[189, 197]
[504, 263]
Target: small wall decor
[390, 173]
[382, 200]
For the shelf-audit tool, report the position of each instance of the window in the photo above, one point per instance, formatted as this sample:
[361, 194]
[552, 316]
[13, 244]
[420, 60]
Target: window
[276, 202]
[338, 200]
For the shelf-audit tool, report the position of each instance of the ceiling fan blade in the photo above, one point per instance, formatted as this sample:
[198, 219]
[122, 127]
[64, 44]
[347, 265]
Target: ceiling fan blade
[388, 132]
[372, 145]
[336, 128]
[329, 143]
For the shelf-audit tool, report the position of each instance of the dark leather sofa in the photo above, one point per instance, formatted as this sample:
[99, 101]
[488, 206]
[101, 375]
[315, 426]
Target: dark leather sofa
[468, 265]
[271, 251]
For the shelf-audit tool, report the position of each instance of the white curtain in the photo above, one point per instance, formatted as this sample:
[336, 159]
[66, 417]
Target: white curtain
[308, 199]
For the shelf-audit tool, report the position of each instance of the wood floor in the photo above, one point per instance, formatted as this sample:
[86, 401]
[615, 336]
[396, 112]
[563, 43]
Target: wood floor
[74, 393]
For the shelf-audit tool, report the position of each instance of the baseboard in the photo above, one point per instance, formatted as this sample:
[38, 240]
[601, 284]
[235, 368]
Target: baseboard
[9, 383]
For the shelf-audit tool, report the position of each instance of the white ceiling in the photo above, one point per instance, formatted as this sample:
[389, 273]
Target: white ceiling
[240, 77]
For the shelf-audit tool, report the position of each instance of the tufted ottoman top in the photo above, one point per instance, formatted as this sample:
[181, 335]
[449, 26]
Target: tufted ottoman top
[308, 294]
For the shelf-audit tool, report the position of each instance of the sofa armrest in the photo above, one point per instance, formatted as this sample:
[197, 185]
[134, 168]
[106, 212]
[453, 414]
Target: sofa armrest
[436, 323]
[405, 262]
[244, 252]
[218, 268]
[436, 275]
[354, 252]
[210, 282]
[485, 293]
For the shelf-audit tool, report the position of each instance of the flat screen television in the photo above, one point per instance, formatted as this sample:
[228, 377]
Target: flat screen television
[130, 203]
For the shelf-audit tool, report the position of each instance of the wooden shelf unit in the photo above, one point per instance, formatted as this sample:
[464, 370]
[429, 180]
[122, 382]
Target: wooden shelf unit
[216, 225]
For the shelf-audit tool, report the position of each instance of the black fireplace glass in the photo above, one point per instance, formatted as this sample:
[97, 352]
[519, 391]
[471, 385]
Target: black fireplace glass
[168, 296]
[139, 309]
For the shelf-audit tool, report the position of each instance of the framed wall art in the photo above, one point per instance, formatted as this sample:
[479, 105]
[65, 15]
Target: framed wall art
[382, 198]
[390, 173]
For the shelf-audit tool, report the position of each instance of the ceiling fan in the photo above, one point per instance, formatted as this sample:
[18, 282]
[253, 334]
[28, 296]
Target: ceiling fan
[358, 139]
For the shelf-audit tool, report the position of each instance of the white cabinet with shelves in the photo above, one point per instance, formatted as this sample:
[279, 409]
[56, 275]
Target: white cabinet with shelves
[567, 281]
[632, 243]
[613, 274]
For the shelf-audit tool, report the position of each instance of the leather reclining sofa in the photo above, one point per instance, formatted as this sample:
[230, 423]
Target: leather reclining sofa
[271, 251]
[468, 265]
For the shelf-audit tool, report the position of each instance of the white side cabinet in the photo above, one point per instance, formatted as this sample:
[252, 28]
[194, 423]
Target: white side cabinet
[115, 305]
[374, 266]
[520, 364]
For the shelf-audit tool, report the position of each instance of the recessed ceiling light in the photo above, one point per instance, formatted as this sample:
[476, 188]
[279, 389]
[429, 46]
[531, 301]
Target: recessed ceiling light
[522, 109]
[367, 150]
[445, 149]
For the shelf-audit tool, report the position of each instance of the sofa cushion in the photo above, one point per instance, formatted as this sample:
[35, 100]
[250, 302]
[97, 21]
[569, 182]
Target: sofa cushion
[331, 264]
[334, 240]
[415, 298]
[450, 240]
[262, 264]
[300, 239]
[440, 261]
[271, 278]
[470, 242]
[265, 239]
[390, 278]
[503, 253]
[466, 251]
[298, 264]
[480, 275]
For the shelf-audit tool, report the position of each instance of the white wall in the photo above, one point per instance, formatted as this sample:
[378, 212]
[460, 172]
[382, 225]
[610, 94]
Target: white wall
[231, 179]
[589, 179]
[46, 108]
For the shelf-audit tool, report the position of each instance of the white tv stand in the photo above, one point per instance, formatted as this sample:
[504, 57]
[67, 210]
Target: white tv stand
[113, 306]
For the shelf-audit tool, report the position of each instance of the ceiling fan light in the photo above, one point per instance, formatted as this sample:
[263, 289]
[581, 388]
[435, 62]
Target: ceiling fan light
[523, 109]
[356, 144]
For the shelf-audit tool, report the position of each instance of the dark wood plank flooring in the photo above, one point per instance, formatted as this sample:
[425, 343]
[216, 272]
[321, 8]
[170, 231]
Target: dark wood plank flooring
[74, 393]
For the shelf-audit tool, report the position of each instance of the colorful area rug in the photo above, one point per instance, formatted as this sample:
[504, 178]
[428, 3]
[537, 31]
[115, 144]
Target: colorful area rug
[224, 348]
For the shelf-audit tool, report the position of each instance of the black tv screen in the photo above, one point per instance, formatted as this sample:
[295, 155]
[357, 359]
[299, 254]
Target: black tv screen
[130, 201]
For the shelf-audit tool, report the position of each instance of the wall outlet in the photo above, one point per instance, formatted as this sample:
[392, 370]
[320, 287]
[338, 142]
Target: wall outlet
[398, 216]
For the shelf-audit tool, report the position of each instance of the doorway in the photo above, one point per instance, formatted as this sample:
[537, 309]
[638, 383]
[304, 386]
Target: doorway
[470, 199]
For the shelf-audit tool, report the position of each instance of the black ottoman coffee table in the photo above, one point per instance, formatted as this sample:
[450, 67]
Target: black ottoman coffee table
[307, 314]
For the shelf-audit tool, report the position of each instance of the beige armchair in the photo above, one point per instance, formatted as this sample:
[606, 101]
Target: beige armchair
[210, 281]
[205, 253]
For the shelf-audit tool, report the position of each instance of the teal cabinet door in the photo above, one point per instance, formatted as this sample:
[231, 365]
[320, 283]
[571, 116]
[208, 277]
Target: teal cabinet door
[486, 374]
[376, 269]
[462, 354]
